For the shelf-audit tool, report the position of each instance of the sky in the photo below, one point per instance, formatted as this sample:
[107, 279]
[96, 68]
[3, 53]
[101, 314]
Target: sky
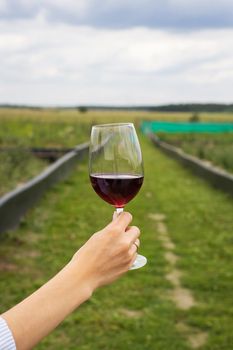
[116, 52]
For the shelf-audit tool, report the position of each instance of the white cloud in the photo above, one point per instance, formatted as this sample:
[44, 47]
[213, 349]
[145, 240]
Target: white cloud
[44, 63]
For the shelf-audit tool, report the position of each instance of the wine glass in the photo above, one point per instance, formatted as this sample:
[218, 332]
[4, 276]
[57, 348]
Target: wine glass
[116, 167]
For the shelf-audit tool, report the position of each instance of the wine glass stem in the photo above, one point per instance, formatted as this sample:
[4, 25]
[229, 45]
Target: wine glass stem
[119, 210]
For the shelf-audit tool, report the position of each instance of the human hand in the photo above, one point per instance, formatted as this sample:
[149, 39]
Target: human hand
[103, 258]
[109, 253]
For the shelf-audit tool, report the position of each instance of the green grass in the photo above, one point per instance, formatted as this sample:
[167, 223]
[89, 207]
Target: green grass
[217, 148]
[22, 128]
[40, 133]
[58, 127]
[20, 131]
[16, 167]
[200, 223]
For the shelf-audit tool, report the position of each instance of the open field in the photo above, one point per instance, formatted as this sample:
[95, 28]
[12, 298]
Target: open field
[188, 252]
[217, 148]
[67, 128]
[22, 128]
[101, 115]
[59, 127]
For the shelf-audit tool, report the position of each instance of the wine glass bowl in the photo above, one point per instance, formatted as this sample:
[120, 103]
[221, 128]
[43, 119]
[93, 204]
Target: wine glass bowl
[116, 166]
[116, 189]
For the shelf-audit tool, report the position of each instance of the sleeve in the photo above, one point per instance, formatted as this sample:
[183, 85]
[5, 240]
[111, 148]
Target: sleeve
[6, 338]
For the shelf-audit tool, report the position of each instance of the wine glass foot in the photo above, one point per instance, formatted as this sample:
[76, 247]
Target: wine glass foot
[139, 262]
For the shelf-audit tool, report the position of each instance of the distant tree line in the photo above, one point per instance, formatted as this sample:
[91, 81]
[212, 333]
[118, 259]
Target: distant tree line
[182, 107]
[14, 106]
[194, 107]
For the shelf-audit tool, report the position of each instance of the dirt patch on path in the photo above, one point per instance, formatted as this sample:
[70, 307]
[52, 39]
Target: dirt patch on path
[194, 336]
[171, 257]
[174, 277]
[131, 313]
[182, 297]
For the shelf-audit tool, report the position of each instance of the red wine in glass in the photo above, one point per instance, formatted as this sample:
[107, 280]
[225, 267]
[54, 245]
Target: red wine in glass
[116, 189]
[116, 166]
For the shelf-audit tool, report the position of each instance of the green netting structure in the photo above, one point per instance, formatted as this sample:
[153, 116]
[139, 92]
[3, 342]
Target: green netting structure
[180, 127]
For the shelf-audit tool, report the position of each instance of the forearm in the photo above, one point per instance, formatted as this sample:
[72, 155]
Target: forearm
[107, 255]
[36, 316]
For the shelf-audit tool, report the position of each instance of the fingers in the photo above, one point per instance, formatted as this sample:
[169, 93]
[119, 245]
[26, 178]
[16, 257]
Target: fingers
[132, 250]
[133, 233]
[122, 221]
[127, 235]
[134, 257]
[137, 243]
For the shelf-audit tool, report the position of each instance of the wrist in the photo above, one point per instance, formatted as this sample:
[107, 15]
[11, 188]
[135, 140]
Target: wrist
[80, 285]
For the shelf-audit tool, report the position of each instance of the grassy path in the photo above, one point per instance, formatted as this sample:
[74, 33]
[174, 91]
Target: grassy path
[136, 312]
